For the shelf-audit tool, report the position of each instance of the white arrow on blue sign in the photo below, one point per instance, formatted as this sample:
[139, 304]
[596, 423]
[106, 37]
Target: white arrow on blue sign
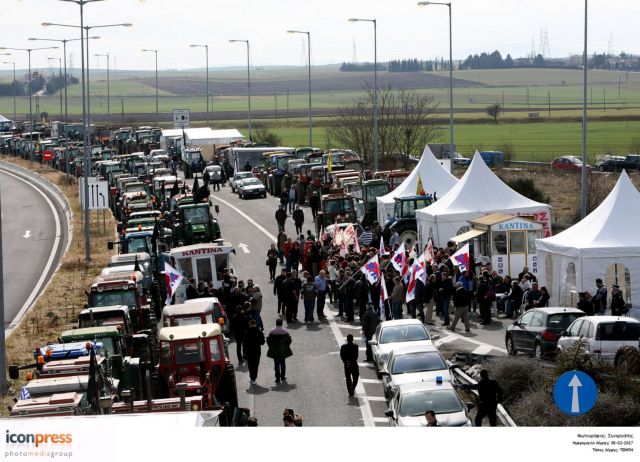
[575, 393]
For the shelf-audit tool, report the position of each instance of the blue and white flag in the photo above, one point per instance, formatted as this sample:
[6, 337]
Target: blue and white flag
[24, 393]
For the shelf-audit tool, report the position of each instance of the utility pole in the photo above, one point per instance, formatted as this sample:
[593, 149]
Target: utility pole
[604, 99]
[549, 100]
[3, 366]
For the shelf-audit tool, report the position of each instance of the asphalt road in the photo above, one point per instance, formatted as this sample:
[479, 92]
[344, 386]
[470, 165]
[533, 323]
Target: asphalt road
[34, 239]
[316, 385]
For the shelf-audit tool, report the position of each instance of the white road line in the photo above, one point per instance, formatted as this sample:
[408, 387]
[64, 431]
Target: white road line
[371, 381]
[381, 419]
[451, 337]
[349, 326]
[377, 398]
[248, 218]
[363, 403]
[482, 350]
[47, 267]
[447, 339]
[367, 365]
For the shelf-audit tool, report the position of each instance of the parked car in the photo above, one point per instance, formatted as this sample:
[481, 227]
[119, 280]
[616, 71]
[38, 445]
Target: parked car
[392, 334]
[411, 400]
[459, 159]
[412, 364]
[568, 163]
[537, 331]
[602, 335]
[233, 182]
[251, 187]
[619, 163]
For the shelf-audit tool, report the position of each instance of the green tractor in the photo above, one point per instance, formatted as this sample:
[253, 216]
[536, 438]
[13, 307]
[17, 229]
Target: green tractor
[195, 224]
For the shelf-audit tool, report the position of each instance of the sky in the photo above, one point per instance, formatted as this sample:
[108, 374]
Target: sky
[404, 30]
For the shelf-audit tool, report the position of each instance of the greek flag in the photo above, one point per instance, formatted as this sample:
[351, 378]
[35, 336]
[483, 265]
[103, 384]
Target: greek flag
[24, 393]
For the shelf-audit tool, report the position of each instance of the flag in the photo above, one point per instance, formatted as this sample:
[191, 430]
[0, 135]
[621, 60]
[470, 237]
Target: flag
[413, 253]
[24, 393]
[461, 258]
[399, 259]
[421, 268]
[371, 270]
[382, 250]
[349, 237]
[430, 256]
[420, 189]
[384, 295]
[173, 279]
[175, 189]
[411, 286]
[330, 163]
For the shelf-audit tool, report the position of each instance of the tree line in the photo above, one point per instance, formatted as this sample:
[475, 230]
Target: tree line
[398, 65]
[50, 85]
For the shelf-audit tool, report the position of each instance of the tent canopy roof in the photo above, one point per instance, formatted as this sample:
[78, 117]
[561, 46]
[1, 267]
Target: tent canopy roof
[435, 179]
[610, 230]
[479, 191]
[205, 135]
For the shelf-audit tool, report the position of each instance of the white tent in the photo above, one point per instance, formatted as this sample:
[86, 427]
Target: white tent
[435, 179]
[478, 193]
[3, 118]
[205, 135]
[604, 245]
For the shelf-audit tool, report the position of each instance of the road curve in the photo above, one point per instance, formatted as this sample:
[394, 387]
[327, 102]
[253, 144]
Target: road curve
[35, 235]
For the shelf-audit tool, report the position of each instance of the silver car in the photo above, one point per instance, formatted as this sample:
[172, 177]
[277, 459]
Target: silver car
[413, 364]
[410, 401]
[251, 187]
[237, 178]
[392, 334]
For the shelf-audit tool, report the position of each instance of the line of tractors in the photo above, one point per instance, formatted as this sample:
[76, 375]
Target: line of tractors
[130, 351]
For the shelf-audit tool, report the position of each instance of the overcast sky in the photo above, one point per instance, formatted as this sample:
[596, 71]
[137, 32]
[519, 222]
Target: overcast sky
[404, 29]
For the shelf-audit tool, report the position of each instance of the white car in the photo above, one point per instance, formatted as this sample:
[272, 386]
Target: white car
[233, 182]
[393, 334]
[411, 400]
[603, 336]
[413, 364]
[251, 187]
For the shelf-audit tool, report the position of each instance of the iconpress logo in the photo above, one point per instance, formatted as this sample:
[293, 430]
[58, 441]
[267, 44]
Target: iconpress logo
[49, 445]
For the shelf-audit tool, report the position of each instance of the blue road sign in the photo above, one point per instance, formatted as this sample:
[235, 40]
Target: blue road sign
[575, 393]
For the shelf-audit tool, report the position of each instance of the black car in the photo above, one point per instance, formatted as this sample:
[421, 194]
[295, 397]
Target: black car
[537, 331]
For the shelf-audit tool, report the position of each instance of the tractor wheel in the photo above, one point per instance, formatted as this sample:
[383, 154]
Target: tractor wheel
[628, 360]
[227, 393]
[408, 236]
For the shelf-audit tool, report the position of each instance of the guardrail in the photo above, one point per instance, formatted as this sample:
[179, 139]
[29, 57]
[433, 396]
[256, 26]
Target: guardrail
[462, 377]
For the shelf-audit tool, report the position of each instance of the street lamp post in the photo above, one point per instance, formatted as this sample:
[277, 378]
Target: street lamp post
[60, 77]
[156, 52]
[29, 50]
[309, 69]
[13, 85]
[248, 84]
[451, 147]
[583, 170]
[375, 87]
[206, 47]
[106, 55]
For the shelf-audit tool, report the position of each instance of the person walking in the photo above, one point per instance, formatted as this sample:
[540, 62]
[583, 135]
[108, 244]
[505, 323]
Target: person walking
[461, 305]
[292, 199]
[282, 239]
[281, 218]
[314, 203]
[279, 342]
[255, 298]
[279, 292]
[309, 293]
[600, 298]
[444, 296]
[349, 356]
[272, 261]
[490, 395]
[370, 321]
[429, 299]
[253, 341]
[290, 295]
[322, 287]
[298, 219]
[239, 326]
[397, 298]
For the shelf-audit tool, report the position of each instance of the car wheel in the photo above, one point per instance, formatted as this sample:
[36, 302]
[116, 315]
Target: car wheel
[537, 351]
[600, 168]
[511, 348]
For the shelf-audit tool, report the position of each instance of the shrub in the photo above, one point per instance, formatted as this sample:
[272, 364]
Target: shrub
[528, 188]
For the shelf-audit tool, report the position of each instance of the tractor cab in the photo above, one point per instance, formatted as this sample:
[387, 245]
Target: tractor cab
[404, 219]
[207, 310]
[204, 262]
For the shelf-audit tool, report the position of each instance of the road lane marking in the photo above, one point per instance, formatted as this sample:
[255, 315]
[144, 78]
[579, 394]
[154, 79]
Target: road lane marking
[380, 399]
[244, 247]
[381, 419]
[482, 350]
[27, 234]
[47, 267]
[452, 336]
[376, 381]
[248, 218]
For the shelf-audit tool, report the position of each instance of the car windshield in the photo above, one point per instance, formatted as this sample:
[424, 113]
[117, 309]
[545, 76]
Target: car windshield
[408, 333]
[619, 331]
[188, 353]
[417, 362]
[338, 206]
[187, 321]
[282, 163]
[135, 187]
[242, 176]
[252, 182]
[562, 320]
[440, 401]
[97, 319]
[114, 297]
[139, 244]
[196, 215]
[376, 191]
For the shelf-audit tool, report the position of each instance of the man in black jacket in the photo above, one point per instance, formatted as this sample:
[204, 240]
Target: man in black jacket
[370, 322]
[349, 356]
[490, 395]
[253, 341]
[277, 290]
[461, 305]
